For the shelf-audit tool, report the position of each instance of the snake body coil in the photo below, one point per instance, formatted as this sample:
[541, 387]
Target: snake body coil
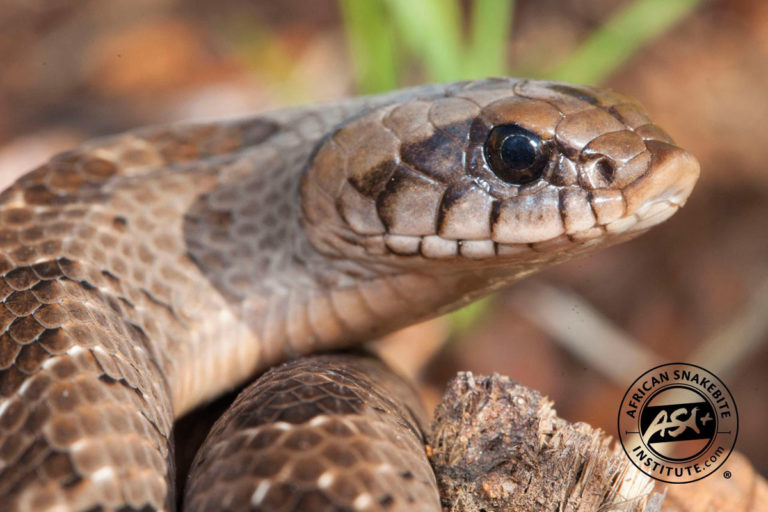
[145, 273]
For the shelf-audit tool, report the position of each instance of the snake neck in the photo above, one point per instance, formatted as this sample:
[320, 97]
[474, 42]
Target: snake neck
[289, 294]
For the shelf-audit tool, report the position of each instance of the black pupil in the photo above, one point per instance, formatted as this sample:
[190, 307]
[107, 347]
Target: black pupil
[518, 152]
[516, 155]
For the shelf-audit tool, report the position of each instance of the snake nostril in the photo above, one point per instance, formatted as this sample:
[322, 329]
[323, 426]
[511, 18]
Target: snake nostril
[598, 171]
[606, 168]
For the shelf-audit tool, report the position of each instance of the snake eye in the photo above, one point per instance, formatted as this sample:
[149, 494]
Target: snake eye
[516, 155]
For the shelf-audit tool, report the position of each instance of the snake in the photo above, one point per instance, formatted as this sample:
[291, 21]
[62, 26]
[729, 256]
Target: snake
[145, 273]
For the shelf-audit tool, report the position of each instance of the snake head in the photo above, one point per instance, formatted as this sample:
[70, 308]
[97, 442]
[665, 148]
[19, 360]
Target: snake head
[495, 172]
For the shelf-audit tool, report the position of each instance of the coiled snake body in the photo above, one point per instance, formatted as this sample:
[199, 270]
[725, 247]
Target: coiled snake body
[145, 273]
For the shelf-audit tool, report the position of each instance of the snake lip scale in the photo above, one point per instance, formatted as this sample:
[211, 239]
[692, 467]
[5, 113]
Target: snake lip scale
[147, 272]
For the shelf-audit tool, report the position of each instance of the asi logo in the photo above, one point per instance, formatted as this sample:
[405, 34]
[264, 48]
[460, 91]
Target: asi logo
[678, 423]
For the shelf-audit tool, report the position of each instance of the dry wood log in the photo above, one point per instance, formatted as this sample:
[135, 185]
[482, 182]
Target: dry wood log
[499, 446]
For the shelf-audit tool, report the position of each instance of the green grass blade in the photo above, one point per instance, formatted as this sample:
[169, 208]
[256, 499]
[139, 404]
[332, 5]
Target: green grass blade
[489, 33]
[371, 44]
[613, 43]
[431, 30]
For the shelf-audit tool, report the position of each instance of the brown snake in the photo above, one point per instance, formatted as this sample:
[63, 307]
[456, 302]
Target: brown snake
[145, 273]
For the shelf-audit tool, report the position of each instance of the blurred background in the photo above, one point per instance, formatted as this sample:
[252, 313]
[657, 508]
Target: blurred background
[695, 289]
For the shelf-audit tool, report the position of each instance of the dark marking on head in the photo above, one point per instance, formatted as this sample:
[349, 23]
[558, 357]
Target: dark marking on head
[570, 152]
[495, 212]
[458, 130]
[438, 156]
[561, 204]
[404, 184]
[478, 131]
[373, 181]
[453, 194]
[563, 172]
[579, 94]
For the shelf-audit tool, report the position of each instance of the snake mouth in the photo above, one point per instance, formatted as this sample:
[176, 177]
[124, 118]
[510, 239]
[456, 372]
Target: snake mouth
[617, 215]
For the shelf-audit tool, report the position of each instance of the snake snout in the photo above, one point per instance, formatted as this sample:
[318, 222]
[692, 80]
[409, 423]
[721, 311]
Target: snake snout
[665, 187]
